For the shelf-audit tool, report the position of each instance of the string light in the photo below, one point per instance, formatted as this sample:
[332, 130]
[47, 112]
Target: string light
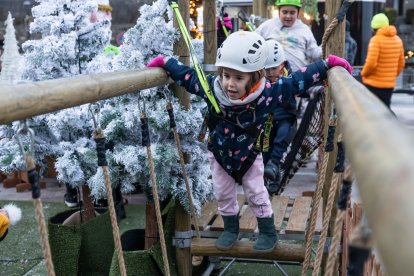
[409, 54]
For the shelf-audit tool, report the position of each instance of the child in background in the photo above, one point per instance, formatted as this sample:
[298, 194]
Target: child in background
[244, 98]
[9, 214]
[280, 126]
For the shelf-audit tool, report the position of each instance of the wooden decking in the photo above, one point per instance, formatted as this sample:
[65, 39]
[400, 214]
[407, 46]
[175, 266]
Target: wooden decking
[291, 215]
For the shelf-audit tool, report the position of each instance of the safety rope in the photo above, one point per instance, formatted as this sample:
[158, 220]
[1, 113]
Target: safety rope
[340, 216]
[337, 19]
[243, 17]
[337, 178]
[146, 142]
[196, 63]
[34, 181]
[329, 147]
[173, 127]
[99, 137]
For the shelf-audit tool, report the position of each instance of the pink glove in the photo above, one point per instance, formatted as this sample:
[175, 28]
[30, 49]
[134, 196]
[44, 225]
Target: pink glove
[156, 62]
[338, 61]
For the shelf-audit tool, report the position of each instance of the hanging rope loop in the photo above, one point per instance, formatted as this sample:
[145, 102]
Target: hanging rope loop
[94, 109]
[24, 130]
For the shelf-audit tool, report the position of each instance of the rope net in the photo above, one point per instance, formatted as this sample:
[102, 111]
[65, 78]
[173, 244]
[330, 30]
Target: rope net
[307, 139]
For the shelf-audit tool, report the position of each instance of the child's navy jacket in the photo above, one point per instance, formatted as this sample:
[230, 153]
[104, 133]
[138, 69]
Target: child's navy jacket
[230, 140]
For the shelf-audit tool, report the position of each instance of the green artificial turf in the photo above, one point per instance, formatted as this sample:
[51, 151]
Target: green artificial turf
[21, 252]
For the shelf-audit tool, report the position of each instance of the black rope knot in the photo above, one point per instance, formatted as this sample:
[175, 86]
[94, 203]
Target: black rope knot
[34, 182]
[329, 140]
[171, 115]
[343, 195]
[101, 151]
[340, 159]
[145, 132]
[343, 10]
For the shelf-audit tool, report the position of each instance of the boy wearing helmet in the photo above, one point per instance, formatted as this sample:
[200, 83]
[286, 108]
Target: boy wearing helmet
[244, 98]
[281, 123]
[384, 61]
[296, 38]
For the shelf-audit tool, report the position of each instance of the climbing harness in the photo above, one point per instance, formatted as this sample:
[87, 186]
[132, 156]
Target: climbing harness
[34, 181]
[243, 17]
[99, 137]
[173, 128]
[146, 142]
[196, 63]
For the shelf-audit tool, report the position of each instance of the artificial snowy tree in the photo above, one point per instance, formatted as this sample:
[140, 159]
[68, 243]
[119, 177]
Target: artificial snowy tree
[11, 59]
[153, 35]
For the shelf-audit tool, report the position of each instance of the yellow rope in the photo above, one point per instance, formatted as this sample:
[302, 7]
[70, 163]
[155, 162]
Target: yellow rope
[40, 217]
[157, 209]
[98, 134]
[185, 176]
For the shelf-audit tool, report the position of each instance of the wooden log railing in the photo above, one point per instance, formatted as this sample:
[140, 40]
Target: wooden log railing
[378, 146]
[22, 101]
[381, 153]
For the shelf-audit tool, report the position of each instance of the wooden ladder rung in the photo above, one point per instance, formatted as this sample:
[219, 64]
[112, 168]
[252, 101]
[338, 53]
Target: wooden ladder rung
[244, 249]
[279, 206]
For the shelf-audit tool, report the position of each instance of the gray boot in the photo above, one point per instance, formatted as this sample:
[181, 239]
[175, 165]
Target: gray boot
[271, 171]
[267, 239]
[230, 234]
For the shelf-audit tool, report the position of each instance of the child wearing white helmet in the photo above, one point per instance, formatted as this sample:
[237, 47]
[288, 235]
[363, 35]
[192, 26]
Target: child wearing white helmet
[276, 64]
[243, 98]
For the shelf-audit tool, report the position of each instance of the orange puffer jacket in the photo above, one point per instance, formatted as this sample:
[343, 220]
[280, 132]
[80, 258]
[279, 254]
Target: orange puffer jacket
[385, 59]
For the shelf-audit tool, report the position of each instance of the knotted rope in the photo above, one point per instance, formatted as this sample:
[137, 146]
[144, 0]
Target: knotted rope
[99, 138]
[184, 169]
[329, 147]
[34, 181]
[146, 143]
[337, 178]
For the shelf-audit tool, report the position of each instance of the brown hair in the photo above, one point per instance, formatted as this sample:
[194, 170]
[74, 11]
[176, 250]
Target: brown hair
[255, 77]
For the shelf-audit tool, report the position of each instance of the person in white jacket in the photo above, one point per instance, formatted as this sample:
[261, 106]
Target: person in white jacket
[296, 38]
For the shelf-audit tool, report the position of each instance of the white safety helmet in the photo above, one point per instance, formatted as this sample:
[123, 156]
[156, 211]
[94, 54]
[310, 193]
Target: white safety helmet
[243, 51]
[276, 54]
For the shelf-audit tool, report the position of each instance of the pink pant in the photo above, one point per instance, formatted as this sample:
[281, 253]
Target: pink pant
[253, 186]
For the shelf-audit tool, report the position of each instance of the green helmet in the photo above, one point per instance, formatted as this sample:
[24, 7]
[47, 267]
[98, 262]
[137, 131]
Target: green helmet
[296, 3]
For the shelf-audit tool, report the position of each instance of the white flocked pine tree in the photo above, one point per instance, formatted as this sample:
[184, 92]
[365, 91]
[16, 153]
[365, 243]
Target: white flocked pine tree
[10, 59]
[152, 35]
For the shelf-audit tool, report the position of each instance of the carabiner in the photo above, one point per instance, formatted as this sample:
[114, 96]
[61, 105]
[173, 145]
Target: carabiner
[25, 130]
[95, 109]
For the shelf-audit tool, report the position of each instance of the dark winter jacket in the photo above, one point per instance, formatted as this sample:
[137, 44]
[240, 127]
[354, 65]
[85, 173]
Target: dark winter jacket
[233, 138]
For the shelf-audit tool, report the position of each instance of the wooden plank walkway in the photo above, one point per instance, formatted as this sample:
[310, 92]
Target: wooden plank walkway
[291, 215]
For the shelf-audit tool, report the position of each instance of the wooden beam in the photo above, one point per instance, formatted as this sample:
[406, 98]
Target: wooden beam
[210, 32]
[244, 249]
[380, 150]
[30, 99]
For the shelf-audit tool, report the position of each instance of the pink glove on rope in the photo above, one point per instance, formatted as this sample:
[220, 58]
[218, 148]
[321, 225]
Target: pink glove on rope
[156, 62]
[338, 61]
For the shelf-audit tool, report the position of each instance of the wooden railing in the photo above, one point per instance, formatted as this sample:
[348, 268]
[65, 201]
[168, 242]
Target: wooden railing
[381, 153]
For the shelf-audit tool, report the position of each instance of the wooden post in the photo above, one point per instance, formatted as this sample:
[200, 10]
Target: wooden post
[210, 34]
[335, 45]
[182, 218]
[89, 210]
[151, 227]
[181, 50]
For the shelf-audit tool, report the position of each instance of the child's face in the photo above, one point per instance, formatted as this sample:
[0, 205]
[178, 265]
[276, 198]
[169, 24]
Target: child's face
[272, 72]
[235, 83]
[288, 15]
